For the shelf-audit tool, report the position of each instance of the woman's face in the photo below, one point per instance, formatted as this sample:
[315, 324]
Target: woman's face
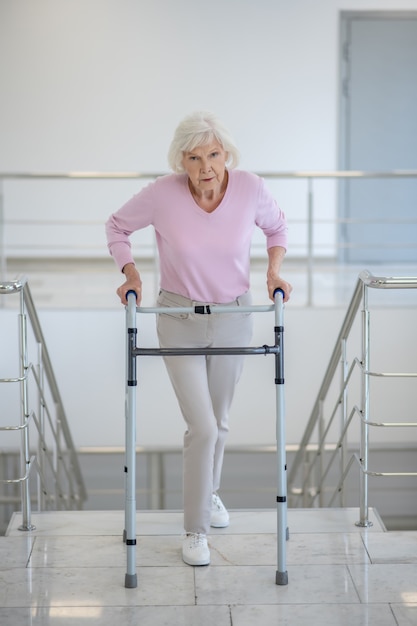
[206, 166]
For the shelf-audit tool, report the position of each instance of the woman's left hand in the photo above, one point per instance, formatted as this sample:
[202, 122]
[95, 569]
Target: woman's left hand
[279, 283]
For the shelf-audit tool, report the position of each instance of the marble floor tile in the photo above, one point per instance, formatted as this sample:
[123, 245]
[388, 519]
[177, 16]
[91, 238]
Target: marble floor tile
[165, 551]
[326, 549]
[71, 570]
[330, 520]
[256, 585]
[15, 552]
[385, 582]
[254, 521]
[160, 523]
[76, 587]
[392, 547]
[301, 549]
[244, 549]
[405, 614]
[309, 614]
[299, 521]
[109, 616]
[60, 523]
[72, 523]
[105, 551]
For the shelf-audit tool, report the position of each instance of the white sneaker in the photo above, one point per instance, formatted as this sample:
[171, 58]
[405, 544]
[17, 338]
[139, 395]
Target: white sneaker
[195, 549]
[219, 514]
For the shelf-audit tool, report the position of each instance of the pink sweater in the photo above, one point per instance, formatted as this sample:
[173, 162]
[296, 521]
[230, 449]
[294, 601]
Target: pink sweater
[203, 256]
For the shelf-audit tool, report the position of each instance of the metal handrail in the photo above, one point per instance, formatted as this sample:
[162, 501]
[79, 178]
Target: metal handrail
[365, 281]
[67, 471]
[95, 175]
[309, 221]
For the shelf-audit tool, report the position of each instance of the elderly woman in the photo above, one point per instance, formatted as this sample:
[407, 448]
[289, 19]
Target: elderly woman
[204, 216]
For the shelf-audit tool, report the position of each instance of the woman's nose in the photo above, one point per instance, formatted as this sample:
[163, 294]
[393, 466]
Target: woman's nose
[205, 166]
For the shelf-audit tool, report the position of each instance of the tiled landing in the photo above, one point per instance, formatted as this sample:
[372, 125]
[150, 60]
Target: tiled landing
[71, 570]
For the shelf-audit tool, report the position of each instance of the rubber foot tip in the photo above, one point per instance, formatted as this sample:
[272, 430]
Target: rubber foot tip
[281, 578]
[131, 581]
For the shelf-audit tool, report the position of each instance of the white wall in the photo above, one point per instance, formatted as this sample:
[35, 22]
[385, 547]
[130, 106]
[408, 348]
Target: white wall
[101, 85]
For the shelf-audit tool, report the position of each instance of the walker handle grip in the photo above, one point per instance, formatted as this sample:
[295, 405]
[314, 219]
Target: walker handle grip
[279, 290]
[131, 292]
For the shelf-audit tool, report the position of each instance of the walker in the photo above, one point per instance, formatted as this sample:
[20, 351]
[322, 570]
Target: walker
[132, 351]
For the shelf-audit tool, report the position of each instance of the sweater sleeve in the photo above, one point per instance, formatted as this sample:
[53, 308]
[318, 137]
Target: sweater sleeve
[135, 214]
[271, 219]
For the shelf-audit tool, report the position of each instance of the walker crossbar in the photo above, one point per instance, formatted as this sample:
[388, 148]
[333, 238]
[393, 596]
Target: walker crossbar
[208, 309]
[132, 351]
[205, 351]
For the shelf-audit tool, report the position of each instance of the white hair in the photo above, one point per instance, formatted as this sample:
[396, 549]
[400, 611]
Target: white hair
[199, 129]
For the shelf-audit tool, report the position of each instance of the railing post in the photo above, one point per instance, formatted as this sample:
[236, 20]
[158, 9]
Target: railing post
[364, 446]
[2, 239]
[305, 464]
[321, 431]
[24, 399]
[310, 251]
[41, 451]
[344, 409]
[59, 495]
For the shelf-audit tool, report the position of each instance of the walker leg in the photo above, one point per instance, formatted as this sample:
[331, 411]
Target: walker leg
[281, 577]
[129, 535]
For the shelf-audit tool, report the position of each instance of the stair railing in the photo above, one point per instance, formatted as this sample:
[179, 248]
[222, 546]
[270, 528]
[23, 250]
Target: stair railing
[60, 483]
[306, 479]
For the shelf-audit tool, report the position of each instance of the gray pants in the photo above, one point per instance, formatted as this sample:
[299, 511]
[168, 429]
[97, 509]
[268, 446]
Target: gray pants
[204, 386]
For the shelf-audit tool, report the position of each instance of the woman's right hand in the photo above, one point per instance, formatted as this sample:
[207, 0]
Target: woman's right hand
[132, 283]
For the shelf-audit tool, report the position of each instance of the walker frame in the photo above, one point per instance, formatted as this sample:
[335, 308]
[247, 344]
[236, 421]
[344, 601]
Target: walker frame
[132, 351]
